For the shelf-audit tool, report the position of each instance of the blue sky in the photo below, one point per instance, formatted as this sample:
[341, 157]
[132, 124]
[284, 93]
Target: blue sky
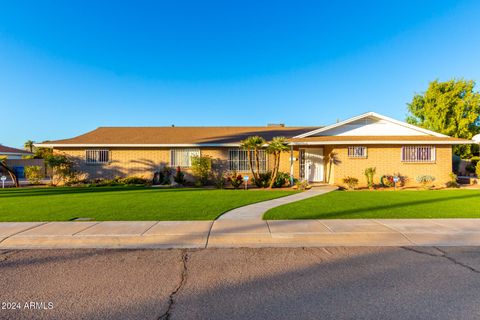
[68, 67]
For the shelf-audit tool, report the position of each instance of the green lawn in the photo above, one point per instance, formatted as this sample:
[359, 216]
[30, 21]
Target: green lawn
[124, 203]
[383, 205]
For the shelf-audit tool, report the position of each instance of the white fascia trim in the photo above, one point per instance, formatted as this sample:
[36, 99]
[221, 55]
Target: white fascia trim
[371, 114]
[356, 142]
[104, 145]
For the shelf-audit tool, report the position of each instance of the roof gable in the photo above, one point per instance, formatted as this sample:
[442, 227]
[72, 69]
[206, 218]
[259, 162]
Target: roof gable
[371, 124]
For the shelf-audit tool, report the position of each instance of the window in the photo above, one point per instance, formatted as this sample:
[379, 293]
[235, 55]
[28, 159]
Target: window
[418, 154]
[97, 156]
[357, 152]
[183, 157]
[238, 160]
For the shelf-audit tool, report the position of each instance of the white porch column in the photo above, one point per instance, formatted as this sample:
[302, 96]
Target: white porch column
[291, 165]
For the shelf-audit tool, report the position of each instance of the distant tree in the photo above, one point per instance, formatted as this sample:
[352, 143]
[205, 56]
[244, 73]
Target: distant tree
[275, 148]
[28, 145]
[11, 173]
[451, 108]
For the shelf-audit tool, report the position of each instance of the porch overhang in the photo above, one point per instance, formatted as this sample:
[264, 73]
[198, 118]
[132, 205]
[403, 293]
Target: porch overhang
[369, 140]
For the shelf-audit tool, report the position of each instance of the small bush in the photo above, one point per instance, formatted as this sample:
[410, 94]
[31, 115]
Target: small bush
[369, 174]
[453, 181]
[33, 174]
[133, 181]
[425, 180]
[236, 180]
[281, 180]
[302, 185]
[201, 169]
[179, 176]
[163, 176]
[351, 182]
[218, 180]
[264, 180]
[470, 168]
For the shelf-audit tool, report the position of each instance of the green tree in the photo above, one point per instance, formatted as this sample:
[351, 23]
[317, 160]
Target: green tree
[253, 144]
[275, 148]
[202, 168]
[28, 145]
[450, 108]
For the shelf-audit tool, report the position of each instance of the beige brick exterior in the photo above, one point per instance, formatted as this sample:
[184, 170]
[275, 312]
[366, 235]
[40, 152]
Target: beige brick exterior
[387, 160]
[143, 162]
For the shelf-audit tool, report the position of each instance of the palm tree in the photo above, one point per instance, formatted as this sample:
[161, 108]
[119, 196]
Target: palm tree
[275, 148]
[28, 145]
[253, 143]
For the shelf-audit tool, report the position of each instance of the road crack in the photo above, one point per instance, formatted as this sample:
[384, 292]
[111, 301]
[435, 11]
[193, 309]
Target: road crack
[443, 254]
[173, 294]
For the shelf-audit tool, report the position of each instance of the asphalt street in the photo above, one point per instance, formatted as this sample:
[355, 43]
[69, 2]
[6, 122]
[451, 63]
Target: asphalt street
[267, 283]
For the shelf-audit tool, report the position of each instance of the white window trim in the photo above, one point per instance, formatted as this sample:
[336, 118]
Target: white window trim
[433, 154]
[93, 156]
[351, 153]
[246, 165]
[174, 153]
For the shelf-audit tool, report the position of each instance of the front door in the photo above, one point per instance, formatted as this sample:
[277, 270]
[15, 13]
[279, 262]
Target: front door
[314, 165]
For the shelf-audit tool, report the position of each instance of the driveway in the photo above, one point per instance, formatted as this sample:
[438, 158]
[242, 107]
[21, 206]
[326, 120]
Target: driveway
[267, 283]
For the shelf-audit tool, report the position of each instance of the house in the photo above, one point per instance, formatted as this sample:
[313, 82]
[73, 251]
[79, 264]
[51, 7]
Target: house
[317, 154]
[13, 153]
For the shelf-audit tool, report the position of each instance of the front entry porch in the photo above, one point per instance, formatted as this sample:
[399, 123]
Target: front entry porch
[312, 165]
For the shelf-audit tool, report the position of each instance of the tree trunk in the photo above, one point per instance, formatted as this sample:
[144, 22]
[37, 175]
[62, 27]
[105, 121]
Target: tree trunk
[258, 162]
[250, 162]
[276, 164]
[12, 174]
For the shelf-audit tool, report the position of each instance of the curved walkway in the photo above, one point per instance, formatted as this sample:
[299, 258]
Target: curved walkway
[255, 211]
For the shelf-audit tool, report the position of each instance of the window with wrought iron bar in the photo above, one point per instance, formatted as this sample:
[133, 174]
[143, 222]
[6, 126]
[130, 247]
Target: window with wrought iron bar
[97, 156]
[183, 157]
[418, 154]
[357, 152]
[238, 160]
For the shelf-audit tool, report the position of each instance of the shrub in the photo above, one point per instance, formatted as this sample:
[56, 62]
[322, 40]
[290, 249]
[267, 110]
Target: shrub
[369, 174]
[235, 180]
[425, 180]
[201, 169]
[179, 176]
[162, 177]
[33, 174]
[281, 180]
[263, 180]
[218, 180]
[387, 181]
[351, 182]
[470, 168]
[453, 181]
[133, 181]
[302, 185]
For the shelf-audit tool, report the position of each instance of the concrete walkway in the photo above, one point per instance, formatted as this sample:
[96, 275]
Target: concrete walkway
[240, 233]
[255, 211]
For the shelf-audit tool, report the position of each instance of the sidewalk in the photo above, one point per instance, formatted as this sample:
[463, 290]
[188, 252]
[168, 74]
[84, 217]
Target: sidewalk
[240, 233]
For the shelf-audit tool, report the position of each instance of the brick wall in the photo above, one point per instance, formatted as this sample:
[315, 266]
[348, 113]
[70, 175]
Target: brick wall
[387, 160]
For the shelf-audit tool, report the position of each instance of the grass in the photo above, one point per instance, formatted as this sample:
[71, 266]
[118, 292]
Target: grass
[383, 205]
[124, 203]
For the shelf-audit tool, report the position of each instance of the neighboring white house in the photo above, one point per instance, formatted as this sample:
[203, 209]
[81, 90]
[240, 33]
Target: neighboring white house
[13, 153]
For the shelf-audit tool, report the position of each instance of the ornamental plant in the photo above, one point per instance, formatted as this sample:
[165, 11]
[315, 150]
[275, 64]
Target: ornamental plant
[369, 174]
[236, 180]
[425, 180]
[179, 176]
[33, 174]
[351, 182]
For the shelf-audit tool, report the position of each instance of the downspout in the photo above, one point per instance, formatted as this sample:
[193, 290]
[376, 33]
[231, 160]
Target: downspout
[291, 165]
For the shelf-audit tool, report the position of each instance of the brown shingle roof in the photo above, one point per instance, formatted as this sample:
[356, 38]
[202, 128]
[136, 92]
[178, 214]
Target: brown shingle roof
[177, 135]
[12, 150]
[380, 139]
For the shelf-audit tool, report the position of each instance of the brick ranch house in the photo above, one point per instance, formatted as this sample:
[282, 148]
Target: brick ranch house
[317, 154]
